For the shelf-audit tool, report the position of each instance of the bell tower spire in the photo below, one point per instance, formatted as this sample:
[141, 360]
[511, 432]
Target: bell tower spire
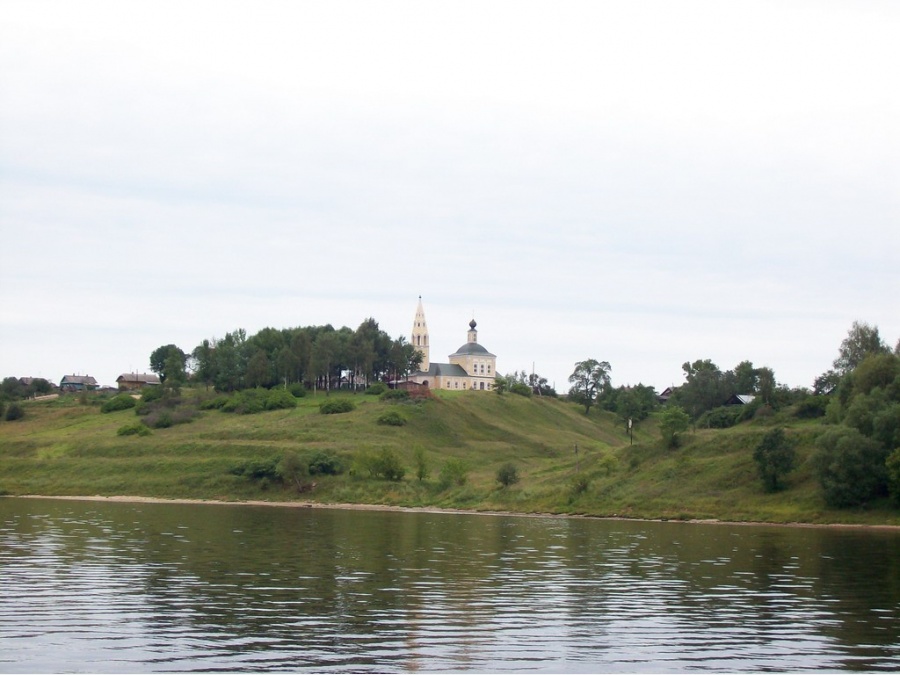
[419, 338]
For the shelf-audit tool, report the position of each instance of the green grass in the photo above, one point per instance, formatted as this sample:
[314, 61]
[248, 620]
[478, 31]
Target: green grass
[64, 447]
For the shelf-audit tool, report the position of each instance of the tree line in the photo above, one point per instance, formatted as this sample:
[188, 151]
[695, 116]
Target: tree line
[320, 357]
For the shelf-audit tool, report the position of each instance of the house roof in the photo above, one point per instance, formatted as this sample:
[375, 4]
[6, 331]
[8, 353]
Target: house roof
[444, 370]
[78, 379]
[146, 378]
[741, 399]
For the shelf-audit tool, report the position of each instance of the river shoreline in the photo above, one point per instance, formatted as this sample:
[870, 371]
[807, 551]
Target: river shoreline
[433, 509]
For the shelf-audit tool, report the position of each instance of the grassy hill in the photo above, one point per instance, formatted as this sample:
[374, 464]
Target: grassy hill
[68, 447]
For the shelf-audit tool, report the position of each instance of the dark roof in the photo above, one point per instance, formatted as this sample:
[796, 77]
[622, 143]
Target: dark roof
[444, 370]
[78, 379]
[472, 348]
[146, 378]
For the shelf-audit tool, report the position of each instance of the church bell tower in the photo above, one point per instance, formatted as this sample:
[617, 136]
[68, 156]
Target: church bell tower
[419, 338]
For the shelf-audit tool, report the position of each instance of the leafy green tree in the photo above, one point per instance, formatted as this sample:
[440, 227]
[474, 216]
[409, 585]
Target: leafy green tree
[259, 370]
[453, 472]
[169, 363]
[862, 340]
[850, 467]
[893, 471]
[634, 403]
[774, 457]
[292, 470]
[421, 465]
[673, 421]
[706, 388]
[588, 379]
[11, 388]
[501, 385]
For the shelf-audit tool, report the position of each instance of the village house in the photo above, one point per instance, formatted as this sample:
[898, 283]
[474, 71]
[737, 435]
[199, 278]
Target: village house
[77, 383]
[134, 381]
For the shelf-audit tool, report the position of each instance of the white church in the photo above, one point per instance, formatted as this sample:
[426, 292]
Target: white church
[471, 366]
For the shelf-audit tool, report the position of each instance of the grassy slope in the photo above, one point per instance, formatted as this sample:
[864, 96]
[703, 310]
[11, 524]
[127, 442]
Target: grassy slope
[63, 448]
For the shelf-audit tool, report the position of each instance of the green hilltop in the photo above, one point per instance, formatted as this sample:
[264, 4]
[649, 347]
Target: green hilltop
[448, 446]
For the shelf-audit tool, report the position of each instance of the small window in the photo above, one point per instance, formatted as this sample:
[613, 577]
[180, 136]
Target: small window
[489, 369]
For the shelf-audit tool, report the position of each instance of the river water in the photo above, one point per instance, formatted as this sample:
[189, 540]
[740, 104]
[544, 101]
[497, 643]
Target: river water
[136, 587]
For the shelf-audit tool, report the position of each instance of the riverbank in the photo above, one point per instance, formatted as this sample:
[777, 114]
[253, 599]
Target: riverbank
[432, 509]
[65, 447]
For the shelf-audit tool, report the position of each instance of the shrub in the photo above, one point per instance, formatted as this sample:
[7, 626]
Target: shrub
[154, 393]
[215, 403]
[521, 389]
[160, 420]
[337, 406]
[280, 399]
[14, 412]
[385, 465]
[508, 474]
[421, 465]
[118, 402]
[850, 467]
[392, 418]
[325, 463]
[720, 418]
[811, 407]
[257, 469]
[395, 395]
[774, 457]
[291, 469]
[2, 408]
[893, 470]
[453, 472]
[672, 421]
[134, 429]
[579, 485]
[297, 390]
[376, 389]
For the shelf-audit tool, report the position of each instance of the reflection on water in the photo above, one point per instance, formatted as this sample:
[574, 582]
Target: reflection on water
[112, 587]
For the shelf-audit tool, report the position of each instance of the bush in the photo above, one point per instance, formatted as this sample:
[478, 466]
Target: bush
[154, 393]
[811, 407]
[134, 429]
[672, 421]
[579, 485]
[453, 472]
[376, 389]
[215, 403]
[521, 389]
[508, 474]
[297, 390]
[774, 457]
[720, 418]
[421, 465]
[324, 463]
[851, 468]
[291, 469]
[337, 406]
[14, 412]
[395, 395]
[119, 402]
[280, 399]
[385, 465]
[257, 469]
[2, 408]
[392, 418]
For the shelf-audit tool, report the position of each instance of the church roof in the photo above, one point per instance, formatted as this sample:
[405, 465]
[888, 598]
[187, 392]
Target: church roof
[472, 348]
[444, 370]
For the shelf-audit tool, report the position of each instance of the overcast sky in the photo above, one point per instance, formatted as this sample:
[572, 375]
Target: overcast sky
[644, 183]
